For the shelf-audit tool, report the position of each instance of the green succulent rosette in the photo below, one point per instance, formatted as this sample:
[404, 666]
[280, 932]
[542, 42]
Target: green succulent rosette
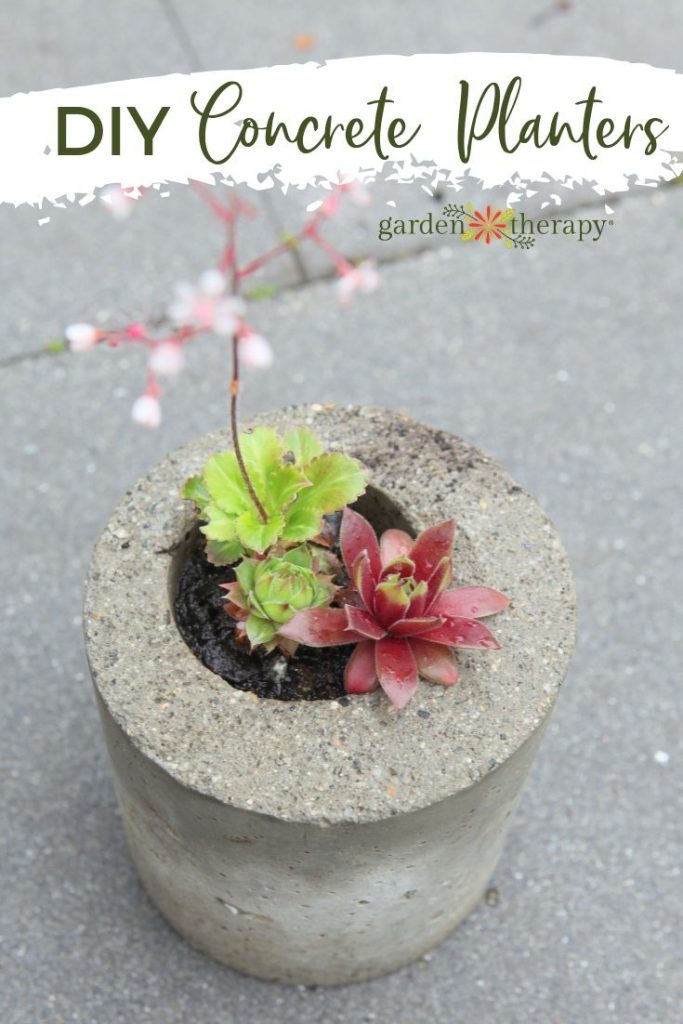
[269, 591]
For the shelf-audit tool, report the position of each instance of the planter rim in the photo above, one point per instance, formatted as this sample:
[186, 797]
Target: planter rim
[320, 761]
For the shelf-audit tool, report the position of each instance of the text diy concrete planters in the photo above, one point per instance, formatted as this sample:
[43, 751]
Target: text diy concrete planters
[320, 842]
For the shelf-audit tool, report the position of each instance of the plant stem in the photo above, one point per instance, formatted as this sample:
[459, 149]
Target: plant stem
[309, 230]
[260, 261]
[341, 265]
[235, 381]
[234, 392]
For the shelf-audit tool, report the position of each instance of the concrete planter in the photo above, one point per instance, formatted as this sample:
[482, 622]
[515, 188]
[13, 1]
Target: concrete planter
[324, 842]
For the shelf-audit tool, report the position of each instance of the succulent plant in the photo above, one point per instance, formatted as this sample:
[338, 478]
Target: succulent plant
[398, 610]
[269, 591]
[295, 482]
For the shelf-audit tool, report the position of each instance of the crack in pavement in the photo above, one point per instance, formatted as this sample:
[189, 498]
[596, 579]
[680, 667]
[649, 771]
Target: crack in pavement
[45, 351]
[184, 40]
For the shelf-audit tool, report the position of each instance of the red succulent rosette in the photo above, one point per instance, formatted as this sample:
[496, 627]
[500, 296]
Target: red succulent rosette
[399, 610]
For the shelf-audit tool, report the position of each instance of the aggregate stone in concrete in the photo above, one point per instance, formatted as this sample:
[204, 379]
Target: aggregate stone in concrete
[308, 798]
[300, 761]
[566, 367]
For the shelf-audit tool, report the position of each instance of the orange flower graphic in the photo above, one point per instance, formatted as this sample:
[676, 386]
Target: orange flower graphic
[487, 226]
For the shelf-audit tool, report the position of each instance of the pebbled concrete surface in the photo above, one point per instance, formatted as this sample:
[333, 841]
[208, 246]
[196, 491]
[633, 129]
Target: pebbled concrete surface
[564, 363]
[303, 765]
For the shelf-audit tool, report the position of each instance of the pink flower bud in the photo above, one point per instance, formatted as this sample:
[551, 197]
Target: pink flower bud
[363, 278]
[329, 206]
[81, 337]
[136, 331]
[255, 351]
[224, 319]
[212, 282]
[167, 359]
[146, 411]
[205, 306]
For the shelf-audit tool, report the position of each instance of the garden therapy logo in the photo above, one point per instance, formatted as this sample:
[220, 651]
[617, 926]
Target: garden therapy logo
[512, 227]
[488, 226]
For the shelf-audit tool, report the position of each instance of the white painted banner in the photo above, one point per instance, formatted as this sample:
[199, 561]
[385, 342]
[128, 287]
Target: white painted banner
[442, 118]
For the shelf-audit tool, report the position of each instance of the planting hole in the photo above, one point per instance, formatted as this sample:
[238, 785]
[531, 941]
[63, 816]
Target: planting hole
[198, 604]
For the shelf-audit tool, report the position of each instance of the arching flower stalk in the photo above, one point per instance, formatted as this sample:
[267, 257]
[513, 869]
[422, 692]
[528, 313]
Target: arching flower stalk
[214, 305]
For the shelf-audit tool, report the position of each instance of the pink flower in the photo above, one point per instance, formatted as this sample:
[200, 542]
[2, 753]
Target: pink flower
[82, 337]
[254, 350]
[167, 358]
[363, 278]
[206, 306]
[147, 411]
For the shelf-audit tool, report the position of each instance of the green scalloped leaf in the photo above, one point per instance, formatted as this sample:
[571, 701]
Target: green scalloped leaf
[225, 484]
[223, 552]
[295, 492]
[257, 535]
[285, 483]
[195, 490]
[219, 525]
[276, 482]
[336, 480]
[303, 444]
[302, 524]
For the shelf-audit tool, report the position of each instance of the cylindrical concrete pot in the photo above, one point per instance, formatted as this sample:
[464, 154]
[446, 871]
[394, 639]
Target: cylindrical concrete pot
[323, 842]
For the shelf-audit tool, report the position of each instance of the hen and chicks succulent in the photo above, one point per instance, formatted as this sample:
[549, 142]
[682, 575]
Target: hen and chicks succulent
[396, 604]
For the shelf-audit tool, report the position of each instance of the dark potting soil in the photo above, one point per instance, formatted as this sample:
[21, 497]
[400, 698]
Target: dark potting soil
[310, 674]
